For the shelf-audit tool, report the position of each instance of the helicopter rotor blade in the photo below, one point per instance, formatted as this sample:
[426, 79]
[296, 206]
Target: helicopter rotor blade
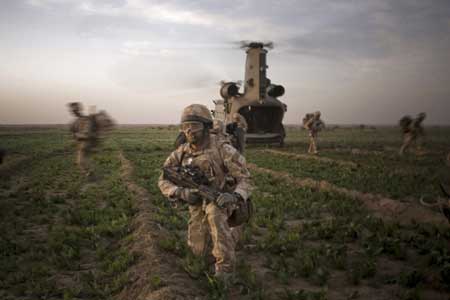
[269, 45]
[246, 44]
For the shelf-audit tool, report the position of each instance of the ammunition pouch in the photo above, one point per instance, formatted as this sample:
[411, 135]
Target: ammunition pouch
[242, 213]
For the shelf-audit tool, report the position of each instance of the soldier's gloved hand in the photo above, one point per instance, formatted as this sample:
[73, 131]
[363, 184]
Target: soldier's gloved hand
[190, 196]
[226, 199]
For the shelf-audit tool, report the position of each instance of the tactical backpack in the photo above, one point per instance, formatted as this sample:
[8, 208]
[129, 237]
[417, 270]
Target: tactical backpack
[317, 125]
[242, 213]
[244, 210]
[405, 123]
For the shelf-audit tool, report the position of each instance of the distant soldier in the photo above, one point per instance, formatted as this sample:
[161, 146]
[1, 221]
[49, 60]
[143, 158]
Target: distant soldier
[85, 130]
[220, 131]
[233, 132]
[240, 121]
[225, 171]
[237, 129]
[314, 125]
[413, 132]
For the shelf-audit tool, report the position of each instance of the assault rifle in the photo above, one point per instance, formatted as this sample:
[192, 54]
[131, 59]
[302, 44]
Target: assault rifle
[192, 178]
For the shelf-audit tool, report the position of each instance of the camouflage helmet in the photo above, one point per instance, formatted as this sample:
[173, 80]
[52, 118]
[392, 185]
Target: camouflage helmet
[197, 113]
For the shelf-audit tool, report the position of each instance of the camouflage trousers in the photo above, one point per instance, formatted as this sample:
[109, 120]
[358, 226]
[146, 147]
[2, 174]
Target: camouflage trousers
[83, 152]
[410, 140]
[312, 143]
[208, 228]
[240, 140]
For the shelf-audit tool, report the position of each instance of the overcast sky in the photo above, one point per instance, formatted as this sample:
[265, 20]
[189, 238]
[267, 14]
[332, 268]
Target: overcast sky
[143, 61]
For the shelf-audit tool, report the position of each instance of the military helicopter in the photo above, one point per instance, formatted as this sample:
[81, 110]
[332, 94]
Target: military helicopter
[258, 104]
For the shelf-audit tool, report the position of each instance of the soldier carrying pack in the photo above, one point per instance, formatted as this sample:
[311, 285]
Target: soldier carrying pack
[313, 124]
[192, 177]
[413, 132]
[85, 130]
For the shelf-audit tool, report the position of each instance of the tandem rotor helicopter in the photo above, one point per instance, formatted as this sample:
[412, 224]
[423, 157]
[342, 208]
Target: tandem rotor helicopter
[258, 103]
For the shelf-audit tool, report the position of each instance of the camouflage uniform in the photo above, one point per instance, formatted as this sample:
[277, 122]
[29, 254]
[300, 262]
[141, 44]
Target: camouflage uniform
[226, 171]
[413, 132]
[314, 124]
[240, 131]
[84, 132]
[240, 120]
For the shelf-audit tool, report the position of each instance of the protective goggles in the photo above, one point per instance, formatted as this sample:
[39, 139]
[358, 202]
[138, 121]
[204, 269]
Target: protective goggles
[191, 126]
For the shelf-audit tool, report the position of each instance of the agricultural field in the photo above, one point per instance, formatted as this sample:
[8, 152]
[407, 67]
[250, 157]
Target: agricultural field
[345, 224]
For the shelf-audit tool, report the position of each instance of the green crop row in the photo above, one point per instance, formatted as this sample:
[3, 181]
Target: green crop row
[62, 236]
[378, 177]
[303, 233]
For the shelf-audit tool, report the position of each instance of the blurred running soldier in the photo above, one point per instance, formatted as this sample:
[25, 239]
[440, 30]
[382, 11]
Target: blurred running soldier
[413, 132]
[314, 125]
[85, 130]
[225, 169]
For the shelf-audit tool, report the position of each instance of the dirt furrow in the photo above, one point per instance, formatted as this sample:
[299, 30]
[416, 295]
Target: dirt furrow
[386, 208]
[313, 157]
[152, 263]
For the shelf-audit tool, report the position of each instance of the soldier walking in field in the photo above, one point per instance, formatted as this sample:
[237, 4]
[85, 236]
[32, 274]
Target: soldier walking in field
[226, 171]
[236, 130]
[314, 125]
[85, 130]
[240, 131]
[413, 132]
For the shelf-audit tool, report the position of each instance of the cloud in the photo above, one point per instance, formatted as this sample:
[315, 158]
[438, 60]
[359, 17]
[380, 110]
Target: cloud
[331, 53]
[149, 11]
[50, 3]
[382, 29]
[231, 20]
[157, 47]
